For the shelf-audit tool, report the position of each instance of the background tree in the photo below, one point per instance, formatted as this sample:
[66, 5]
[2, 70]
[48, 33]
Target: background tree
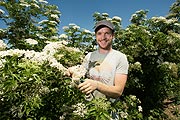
[29, 19]
[152, 47]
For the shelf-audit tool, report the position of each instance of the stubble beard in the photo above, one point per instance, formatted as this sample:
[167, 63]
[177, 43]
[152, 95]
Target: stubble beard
[108, 47]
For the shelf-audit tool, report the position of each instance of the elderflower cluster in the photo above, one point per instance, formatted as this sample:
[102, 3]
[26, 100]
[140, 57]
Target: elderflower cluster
[2, 45]
[1, 11]
[123, 114]
[76, 72]
[38, 57]
[80, 109]
[52, 47]
[31, 41]
[2, 61]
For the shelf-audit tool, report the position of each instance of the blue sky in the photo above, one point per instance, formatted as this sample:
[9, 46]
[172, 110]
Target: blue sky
[80, 11]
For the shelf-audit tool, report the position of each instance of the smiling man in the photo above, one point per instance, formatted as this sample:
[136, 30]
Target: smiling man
[107, 68]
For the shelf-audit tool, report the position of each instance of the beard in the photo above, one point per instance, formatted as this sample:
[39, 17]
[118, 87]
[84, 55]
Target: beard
[104, 44]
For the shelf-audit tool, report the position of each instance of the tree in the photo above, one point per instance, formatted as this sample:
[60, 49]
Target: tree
[152, 47]
[29, 20]
[174, 11]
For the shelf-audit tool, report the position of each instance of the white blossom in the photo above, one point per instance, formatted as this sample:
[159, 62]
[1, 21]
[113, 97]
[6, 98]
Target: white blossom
[24, 4]
[76, 72]
[177, 24]
[41, 36]
[72, 24]
[87, 31]
[63, 117]
[63, 36]
[3, 46]
[2, 61]
[54, 37]
[117, 18]
[1, 11]
[140, 109]
[35, 5]
[54, 16]
[123, 114]
[51, 47]
[55, 64]
[53, 22]
[43, 1]
[38, 57]
[31, 41]
[105, 14]
[133, 97]
[73, 49]
[43, 21]
[80, 109]
[137, 63]
[76, 27]
[65, 27]
[108, 19]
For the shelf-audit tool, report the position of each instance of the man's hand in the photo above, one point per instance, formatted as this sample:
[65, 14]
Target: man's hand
[88, 86]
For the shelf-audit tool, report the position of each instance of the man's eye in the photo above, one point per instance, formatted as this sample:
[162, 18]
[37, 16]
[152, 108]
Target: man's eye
[108, 33]
[98, 33]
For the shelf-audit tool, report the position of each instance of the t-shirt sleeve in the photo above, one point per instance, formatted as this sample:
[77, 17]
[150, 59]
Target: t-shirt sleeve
[123, 65]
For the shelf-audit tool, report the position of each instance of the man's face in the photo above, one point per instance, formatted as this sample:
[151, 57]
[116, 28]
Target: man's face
[104, 37]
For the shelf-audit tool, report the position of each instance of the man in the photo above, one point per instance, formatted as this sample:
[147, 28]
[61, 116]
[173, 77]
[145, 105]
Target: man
[107, 68]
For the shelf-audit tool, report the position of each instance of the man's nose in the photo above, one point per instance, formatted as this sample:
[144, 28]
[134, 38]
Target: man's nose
[103, 36]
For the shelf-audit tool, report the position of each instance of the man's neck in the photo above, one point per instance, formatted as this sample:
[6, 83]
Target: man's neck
[104, 51]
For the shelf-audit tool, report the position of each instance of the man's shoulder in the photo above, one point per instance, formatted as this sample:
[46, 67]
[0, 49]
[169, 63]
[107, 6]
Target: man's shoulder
[119, 53]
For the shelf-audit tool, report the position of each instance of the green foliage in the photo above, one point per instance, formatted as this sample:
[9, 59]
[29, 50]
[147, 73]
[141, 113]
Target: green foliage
[79, 38]
[152, 48]
[20, 87]
[69, 56]
[99, 109]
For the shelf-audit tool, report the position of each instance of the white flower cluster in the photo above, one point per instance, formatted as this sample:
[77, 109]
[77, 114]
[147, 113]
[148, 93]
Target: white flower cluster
[140, 109]
[105, 14]
[54, 37]
[43, 1]
[136, 66]
[164, 20]
[123, 114]
[63, 117]
[86, 31]
[39, 57]
[52, 47]
[2, 61]
[134, 98]
[48, 21]
[3, 46]
[63, 36]
[43, 21]
[117, 18]
[1, 11]
[74, 26]
[31, 41]
[76, 72]
[54, 16]
[80, 109]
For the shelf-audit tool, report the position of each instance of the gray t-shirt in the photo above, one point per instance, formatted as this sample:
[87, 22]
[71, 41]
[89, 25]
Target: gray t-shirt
[103, 67]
